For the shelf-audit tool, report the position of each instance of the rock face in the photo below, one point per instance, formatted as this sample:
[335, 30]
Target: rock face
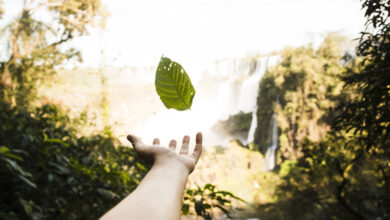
[236, 126]
[301, 90]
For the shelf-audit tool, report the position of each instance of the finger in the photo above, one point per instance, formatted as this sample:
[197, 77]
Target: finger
[184, 146]
[198, 146]
[172, 144]
[156, 141]
[135, 141]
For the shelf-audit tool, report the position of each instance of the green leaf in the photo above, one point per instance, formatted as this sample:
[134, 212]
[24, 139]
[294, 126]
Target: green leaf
[185, 209]
[3, 150]
[173, 85]
[56, 141]
[107, 193]
[27, 206]
[199, 209]
[206, 206]
[16, 167]
[24, 179]
[13, 156]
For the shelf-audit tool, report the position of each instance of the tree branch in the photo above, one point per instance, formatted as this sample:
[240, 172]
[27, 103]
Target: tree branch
[340, 188]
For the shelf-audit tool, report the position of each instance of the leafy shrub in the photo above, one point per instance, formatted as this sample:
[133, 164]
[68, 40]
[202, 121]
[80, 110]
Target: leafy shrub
[205, 201]
[48, 172]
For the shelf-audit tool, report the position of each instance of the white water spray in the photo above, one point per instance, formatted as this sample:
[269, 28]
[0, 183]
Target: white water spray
[228, 87]
[252, 129]
[270, 155]
[253, 87]
[223, 89]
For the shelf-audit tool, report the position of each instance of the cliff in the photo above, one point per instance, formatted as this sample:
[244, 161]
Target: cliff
[303, 90]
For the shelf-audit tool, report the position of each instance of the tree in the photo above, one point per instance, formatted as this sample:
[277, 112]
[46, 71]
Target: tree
[346, 173]
[303, 90]
[49, 172]
[36, 45]
[368, 114]
[1, 8]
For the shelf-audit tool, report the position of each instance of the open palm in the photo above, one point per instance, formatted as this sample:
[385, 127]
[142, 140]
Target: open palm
[159, 154]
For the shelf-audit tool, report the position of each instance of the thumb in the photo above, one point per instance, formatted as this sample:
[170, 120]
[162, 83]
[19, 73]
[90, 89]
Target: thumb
[134, 140]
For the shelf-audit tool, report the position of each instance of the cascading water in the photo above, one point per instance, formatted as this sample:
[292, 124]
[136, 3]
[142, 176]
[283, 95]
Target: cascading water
[252, 87]
[249, 87]
[252, 129]
[237, 89]
[225, 88]
[270, 155]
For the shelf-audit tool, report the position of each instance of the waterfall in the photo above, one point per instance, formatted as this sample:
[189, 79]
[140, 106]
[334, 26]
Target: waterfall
[224, 88]
[270, 155]
[251, 85]
[252, 129]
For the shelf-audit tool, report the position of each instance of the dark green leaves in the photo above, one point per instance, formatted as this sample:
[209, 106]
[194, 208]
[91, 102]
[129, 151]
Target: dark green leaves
[173, 85]
[204, 201]
[47, 171]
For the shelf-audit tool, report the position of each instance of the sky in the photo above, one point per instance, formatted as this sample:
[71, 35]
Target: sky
[198, 32]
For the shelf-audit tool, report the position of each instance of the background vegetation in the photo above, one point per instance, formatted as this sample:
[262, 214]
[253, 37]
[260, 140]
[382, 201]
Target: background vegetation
[332, 108]
[49, 168]
[333, 117]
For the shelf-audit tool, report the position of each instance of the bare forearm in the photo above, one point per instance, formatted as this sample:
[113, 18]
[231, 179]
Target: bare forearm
[158, 196]
[160, 193]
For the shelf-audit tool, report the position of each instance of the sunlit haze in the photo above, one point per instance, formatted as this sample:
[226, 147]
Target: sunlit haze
[196, 34]
[201, 31]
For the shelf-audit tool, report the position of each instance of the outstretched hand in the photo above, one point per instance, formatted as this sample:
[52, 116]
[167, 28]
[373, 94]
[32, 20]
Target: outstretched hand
[158, 154]
[160, 193]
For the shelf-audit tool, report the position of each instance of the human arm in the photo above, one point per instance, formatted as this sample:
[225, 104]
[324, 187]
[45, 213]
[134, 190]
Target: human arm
[160, 193]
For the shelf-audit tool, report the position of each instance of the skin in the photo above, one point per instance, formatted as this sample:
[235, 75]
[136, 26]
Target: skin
[160, 193]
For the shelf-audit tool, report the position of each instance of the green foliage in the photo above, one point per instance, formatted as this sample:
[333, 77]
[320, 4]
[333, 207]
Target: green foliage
[104, 104]
[51, 173]
[368, 113]
[1, 8]
[206, 200]
[48, 172]
[239, 122]
[287, 167]
[47, 169]
[173, 85]
[303, 90]
[35, 48]
[237, 125]
[332, 180]
[344, 174]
